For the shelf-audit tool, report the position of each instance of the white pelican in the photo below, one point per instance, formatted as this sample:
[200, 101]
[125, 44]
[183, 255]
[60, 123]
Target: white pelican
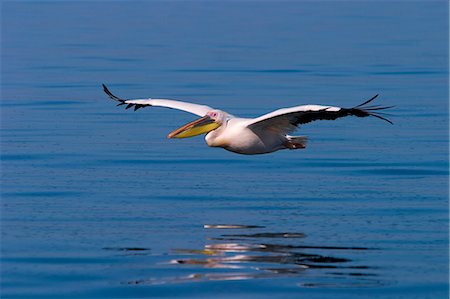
[265, 134]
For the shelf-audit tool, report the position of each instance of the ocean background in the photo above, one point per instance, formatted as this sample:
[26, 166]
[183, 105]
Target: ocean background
[96, 202]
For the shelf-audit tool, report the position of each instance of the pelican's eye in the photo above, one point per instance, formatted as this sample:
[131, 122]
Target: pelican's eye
[213, 114]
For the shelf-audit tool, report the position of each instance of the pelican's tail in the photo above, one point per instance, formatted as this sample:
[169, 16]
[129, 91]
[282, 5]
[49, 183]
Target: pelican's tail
[296, 142]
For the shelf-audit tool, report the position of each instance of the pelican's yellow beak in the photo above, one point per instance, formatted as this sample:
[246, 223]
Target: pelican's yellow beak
[194, 128]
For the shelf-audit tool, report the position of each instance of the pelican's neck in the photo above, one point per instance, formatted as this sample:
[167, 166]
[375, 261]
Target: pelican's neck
[215, 138]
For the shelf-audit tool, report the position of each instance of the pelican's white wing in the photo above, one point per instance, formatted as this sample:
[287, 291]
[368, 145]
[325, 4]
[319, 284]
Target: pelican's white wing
[199, 110]
[286, 120]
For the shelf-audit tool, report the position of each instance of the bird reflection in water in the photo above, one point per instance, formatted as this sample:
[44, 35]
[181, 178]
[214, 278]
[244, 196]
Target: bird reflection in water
[267, 255]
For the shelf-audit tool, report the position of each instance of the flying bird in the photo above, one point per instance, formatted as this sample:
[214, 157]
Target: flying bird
[251, 136]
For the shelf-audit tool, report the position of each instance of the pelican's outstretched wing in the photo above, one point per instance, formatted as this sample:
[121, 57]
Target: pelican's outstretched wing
[199, 110]
[286, 120]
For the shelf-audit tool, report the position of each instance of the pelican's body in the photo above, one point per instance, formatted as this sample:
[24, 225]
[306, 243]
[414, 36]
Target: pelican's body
[236, 137]
[251, 136]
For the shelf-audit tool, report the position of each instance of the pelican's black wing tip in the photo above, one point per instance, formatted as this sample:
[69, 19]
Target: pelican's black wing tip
[382, 118]
[365, 110]
[368, 101]
[109, 94]
[106, 90]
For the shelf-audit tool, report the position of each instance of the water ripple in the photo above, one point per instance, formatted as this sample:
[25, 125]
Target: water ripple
[406, 172]
[271, 71]
[257, 256]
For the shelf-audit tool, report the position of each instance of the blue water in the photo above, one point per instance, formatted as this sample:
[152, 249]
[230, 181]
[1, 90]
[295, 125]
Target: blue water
[97, 203]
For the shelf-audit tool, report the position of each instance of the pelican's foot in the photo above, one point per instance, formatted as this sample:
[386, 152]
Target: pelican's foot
[293, 146]
[295, 142]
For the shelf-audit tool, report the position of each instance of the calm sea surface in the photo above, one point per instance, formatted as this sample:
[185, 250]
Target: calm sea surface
[97, 203]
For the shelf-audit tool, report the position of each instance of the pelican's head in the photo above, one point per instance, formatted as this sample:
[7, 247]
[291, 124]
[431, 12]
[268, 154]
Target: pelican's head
[211, 121]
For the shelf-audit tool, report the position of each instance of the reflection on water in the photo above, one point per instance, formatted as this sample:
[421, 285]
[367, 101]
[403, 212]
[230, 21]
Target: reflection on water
[269, 235]
[230, 226]
[126, 248]
[263, 254]
[130, 250]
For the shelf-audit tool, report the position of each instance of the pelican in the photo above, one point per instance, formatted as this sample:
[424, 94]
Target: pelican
[251, 136]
